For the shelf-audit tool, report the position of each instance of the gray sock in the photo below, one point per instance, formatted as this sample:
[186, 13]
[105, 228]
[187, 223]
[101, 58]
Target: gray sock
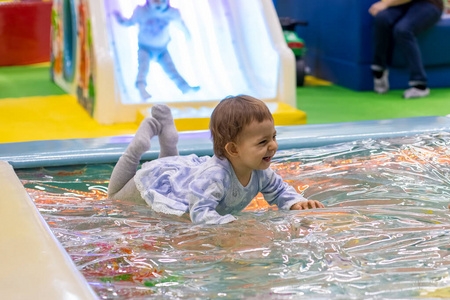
[168, 137]
[148, 128]
[128, 163]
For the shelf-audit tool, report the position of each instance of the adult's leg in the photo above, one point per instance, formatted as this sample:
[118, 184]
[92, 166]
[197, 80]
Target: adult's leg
[419, 17]
[384, 23]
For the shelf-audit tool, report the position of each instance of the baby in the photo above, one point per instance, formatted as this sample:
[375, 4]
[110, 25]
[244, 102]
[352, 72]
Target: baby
[210, 189]
[153, 19]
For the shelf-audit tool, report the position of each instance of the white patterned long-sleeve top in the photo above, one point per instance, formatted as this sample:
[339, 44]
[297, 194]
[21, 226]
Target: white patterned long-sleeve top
[208, 188]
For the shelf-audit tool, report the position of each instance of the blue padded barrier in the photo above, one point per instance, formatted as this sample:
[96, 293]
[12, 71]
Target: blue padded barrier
[109, 149]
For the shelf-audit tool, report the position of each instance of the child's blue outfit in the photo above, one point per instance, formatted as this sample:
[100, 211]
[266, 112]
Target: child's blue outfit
[207, 188]
[153, 38]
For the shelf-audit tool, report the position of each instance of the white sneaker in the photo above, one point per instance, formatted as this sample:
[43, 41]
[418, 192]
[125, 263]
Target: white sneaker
[416, 93]
[381, 85]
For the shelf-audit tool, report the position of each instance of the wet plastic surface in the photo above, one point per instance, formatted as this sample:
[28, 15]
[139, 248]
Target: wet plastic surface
[384, 234]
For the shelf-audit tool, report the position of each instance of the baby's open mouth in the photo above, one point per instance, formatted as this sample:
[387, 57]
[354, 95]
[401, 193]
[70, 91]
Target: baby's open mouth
[267, 158]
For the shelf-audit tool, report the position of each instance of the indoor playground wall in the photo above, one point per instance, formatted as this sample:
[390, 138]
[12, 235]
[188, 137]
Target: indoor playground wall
[24, 32]
[236, 47]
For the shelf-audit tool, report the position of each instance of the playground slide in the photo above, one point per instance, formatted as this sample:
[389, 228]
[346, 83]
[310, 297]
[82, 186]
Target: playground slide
[229, 52]
[234, 47]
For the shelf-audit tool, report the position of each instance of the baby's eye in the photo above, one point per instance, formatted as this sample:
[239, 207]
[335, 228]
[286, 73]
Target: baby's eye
[275, 137]
[262, 142]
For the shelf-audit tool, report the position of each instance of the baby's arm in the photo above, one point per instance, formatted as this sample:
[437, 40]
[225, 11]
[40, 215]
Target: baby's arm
[278, 192]
[204, 196]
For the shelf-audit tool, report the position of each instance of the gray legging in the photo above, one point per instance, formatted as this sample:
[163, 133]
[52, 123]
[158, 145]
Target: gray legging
[121, 185]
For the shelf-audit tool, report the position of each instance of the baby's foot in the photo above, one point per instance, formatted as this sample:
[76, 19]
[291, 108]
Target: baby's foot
[148, 128]
[168, 137]
[163, 114]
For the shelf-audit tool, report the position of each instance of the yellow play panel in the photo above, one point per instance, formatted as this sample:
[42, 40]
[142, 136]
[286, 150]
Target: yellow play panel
[283, 114]
[51, 117]
[61, 117]
[313, 81]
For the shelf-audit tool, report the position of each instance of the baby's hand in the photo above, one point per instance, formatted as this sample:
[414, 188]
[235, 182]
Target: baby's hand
[307, 205]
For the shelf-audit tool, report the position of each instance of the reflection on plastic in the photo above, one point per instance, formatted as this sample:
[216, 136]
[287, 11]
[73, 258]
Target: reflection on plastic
[385, 232]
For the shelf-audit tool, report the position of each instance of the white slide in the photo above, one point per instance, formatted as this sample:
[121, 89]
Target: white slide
[236, 47]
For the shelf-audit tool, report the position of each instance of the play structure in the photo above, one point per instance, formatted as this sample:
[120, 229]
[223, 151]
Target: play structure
[18, 44]
[232, 47]
[355, 230]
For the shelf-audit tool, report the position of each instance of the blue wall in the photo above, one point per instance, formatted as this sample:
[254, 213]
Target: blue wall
[339, 45]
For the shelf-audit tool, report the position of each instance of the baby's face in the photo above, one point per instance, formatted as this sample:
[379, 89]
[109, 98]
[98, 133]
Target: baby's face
[257, 145]
[159, 5]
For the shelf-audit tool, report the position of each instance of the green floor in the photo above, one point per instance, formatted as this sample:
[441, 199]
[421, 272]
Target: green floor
[331, 104]
[27, 81]
[323, 104]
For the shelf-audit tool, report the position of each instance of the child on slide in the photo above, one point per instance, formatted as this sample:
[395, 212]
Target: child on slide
[153, 19]
[210, 189]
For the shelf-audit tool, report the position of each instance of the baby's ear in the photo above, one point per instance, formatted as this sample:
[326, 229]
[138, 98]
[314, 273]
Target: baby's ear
[231, 149]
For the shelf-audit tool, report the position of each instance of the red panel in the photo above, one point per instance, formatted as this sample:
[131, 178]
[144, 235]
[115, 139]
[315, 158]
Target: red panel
[24, 32]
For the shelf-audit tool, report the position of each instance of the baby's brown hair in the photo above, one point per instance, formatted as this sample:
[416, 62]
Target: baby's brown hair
[231, 115]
